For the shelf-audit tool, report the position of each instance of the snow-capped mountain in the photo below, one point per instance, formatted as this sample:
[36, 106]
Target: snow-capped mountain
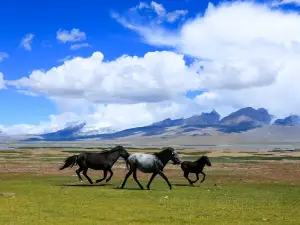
[104, 130]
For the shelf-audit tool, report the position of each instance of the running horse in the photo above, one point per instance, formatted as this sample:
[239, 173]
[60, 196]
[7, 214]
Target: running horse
[96, 160]
[195, 167]
[150, 163]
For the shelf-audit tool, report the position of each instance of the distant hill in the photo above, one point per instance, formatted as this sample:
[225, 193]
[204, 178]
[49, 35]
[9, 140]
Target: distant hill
[67, 132]
[248, 115]
[205, 124]
[168, 123]
[211, 118]
[288, 121]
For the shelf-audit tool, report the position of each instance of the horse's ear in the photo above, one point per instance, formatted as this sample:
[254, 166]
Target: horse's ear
[171, 149]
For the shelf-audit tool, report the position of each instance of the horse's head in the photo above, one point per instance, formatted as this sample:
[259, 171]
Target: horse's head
[173, 155]
[206, 160]
[123, 153]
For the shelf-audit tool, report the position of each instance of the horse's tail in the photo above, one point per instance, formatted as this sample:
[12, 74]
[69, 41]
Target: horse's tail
[127, 168]
[70, 162]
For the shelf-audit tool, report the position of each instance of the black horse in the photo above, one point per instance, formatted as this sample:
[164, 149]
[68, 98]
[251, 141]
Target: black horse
[96, 160]
[195, 167]
[150, 163]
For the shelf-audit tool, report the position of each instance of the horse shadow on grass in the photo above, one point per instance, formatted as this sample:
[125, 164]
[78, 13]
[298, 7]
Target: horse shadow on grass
[184, 185]
[84, 185]
[98, 185]
[129, 189]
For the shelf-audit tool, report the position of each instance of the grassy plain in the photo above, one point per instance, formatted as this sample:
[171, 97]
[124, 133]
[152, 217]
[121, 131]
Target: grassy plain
[240, 188]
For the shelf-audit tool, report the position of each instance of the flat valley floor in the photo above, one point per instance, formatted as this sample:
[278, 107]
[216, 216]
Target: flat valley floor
[241, 187]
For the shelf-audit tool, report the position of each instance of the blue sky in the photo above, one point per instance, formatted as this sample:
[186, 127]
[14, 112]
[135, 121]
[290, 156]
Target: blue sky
[105, 34]
[43, 19]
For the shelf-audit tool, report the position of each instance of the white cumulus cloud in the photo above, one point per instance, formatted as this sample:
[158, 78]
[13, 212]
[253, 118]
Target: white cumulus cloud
[73, 35]
[129, 91]
[156, 77]
[247, 52]
[27, 41]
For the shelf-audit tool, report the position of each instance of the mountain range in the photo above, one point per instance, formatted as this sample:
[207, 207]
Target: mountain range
[205, 124]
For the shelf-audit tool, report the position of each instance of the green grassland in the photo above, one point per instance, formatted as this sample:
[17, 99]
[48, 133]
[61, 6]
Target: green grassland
[254, 188]
[44, 199]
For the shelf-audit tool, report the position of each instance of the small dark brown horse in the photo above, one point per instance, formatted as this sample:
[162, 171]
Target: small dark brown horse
[195, 167]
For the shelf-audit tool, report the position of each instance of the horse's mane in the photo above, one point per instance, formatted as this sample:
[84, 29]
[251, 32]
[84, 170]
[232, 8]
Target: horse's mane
[109, 151]
[163, 150]
[201, 158]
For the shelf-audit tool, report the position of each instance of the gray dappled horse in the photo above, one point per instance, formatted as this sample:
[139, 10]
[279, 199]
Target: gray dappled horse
[96, 160]
[150, 163]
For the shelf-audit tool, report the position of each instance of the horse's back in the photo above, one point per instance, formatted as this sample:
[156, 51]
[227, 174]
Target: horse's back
[97, 156]
[143, 162]
[188, 166]
[94, 160]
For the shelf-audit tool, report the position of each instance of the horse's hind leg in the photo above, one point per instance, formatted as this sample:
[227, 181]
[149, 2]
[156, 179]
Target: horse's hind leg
[87, 177]
[135, 178]
[111, 174]
[104, 176]
[197, 178]
[78, 174]
[186, 175]
[204, 175]
[126, 177]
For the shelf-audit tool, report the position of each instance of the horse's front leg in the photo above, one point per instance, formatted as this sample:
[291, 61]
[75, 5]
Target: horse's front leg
[204, 175]
[166, 179]
[104, 176]
[135, 178]
[151, 179]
